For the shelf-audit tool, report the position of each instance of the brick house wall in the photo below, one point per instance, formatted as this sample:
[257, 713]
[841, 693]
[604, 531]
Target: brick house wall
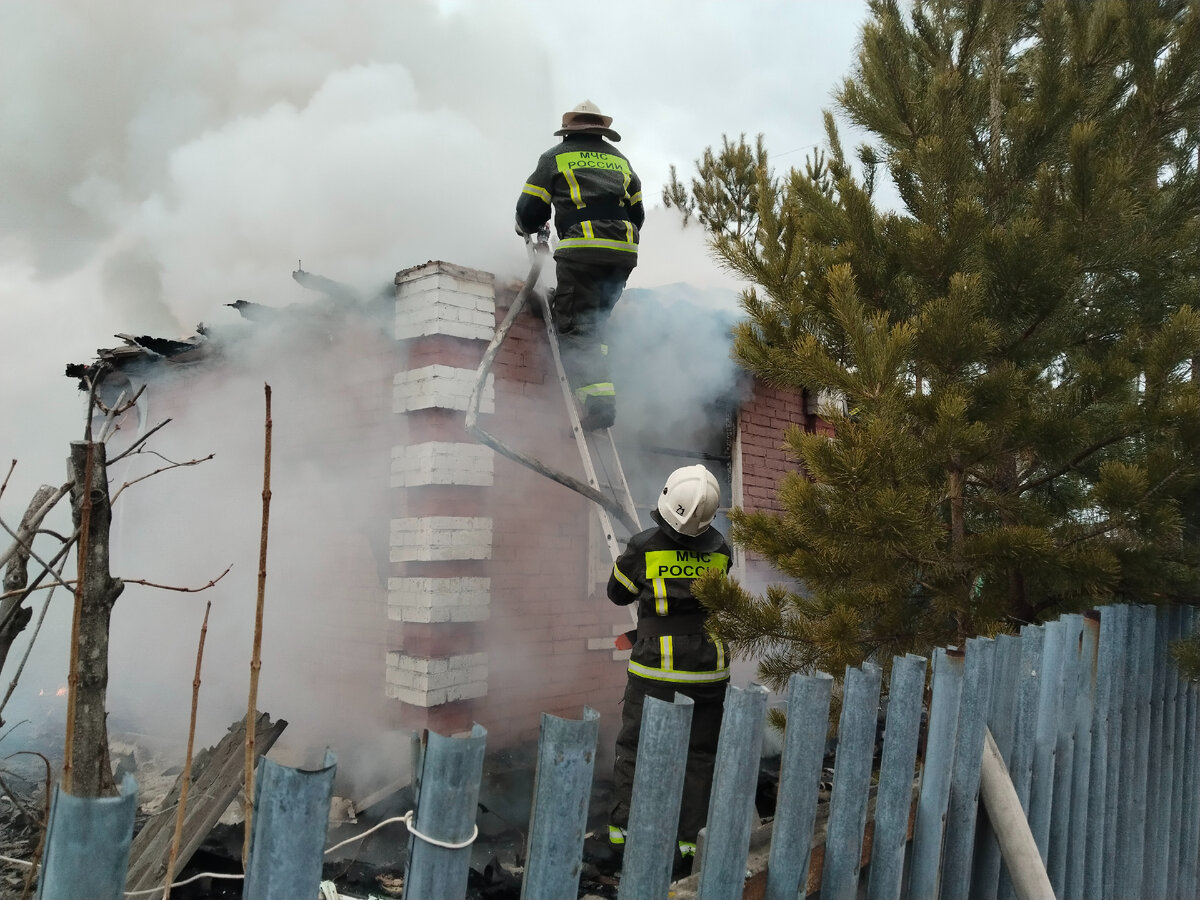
[462, 587]
[760, 460]
[489, 560]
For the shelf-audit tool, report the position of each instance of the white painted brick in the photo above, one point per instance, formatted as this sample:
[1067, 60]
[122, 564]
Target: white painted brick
[440, 387]
[443, 462]
[479, 287]
[432, 682]
[601, 643]
[439, 599]
[437, 538]
[443, 304]
[418, 697]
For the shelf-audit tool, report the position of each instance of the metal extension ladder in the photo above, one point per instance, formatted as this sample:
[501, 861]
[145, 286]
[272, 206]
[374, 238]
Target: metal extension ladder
[606, 485]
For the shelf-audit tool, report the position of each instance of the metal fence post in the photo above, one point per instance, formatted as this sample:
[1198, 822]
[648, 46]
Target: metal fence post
[799, 778]
[1114, 791]
[1173, 725]
[1064, 753]
[446, 804]
[1190, 825]
[893, 799]
[935, 773]
[1096, 884]
[739, 750]
[1159, 803]
[1081, 785]
[562, 786]
[964, 782]
[287, 838]
[1181, 802]
[985, 870]
[1020, 760]
[650, 843]
[1132, 841]
[1045, 736]
[851, 783]
[87, 845]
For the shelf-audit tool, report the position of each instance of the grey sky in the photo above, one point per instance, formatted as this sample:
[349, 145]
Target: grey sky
[158, 160]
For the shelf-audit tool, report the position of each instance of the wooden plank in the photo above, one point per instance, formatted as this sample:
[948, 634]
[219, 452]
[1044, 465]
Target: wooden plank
[218, 774]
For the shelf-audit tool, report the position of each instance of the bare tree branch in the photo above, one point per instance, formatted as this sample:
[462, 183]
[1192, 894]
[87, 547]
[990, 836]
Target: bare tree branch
[32, 520]
[133, 448]
[8, 475]
[118, 407]
[37, 581]
[186, 777]
[109, 417]
[26, 549]
[37, 629]
[170, 587]
[173, 465]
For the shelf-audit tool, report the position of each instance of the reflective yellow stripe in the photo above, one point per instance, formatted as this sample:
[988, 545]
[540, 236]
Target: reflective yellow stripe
[599, 389]
[603, 243]
[628, 231]
[625, 582]
[535, 191]
[677, 675]
[720, 653]
[565, 166]
[660, 596]
[587, 229]
[636, 198]
[604, 349]
[683, 563]
[666, 652]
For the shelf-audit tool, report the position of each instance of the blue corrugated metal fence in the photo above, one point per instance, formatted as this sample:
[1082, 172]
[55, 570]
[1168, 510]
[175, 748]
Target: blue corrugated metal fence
[1097, 729]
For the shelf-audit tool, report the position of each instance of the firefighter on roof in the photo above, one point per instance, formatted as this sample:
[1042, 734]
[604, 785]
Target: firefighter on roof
[596, 198]
[673, 652]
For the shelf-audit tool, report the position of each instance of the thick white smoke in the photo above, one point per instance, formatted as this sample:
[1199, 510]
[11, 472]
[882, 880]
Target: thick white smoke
[158, 161]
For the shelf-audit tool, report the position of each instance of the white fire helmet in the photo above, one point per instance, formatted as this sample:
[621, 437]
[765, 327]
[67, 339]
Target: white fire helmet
[689, 500]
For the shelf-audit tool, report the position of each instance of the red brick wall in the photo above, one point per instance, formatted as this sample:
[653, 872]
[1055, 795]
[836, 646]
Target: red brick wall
[541, 613]
[762, 421]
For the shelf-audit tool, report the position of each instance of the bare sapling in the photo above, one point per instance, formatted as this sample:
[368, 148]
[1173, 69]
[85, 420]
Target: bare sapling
[186, 777]
[256, 655]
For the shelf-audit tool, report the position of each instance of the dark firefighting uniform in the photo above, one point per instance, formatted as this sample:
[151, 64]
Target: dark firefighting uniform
[672, 654]
[597, 201]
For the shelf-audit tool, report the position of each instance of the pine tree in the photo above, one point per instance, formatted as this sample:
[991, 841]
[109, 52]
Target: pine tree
[1014, 335]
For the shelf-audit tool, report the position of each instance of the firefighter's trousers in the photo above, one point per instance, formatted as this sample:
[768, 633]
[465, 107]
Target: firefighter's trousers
[709, 700]
[583, 299]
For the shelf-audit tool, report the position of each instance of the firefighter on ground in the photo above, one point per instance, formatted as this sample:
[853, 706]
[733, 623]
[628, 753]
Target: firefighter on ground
[597, 202]
[673, 652]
